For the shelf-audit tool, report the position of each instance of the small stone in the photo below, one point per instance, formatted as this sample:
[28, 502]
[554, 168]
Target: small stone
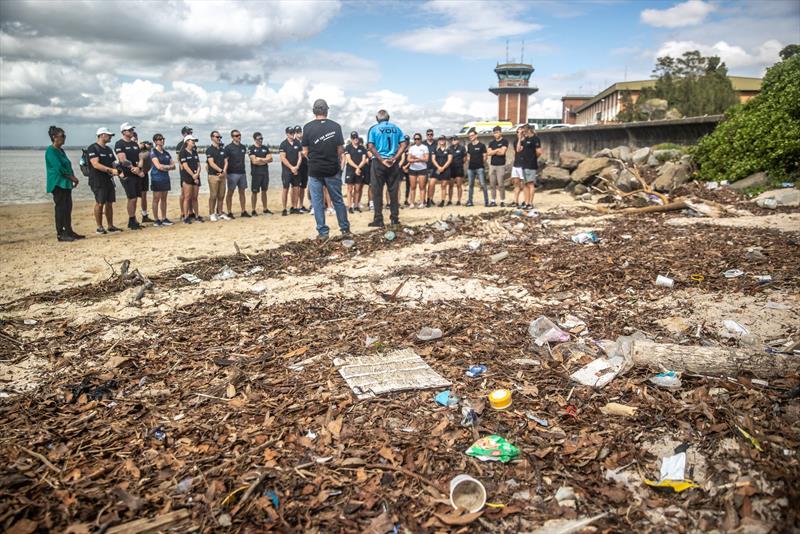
[224, 520]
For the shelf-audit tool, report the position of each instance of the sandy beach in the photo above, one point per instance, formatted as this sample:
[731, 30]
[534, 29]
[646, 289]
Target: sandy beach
[32, 261]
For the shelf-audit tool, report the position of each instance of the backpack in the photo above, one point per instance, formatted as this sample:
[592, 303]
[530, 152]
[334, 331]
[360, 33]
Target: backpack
[84, 162]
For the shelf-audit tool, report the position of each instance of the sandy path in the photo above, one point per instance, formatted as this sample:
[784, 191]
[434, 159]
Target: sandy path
[32, 261]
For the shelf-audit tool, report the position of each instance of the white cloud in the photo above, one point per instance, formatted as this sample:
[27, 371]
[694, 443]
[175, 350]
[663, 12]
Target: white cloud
[473, 28]
[734, 56]
[688, 13]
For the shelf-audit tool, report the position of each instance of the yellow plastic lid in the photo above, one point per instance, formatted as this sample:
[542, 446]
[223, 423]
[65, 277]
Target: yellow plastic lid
[500, 399]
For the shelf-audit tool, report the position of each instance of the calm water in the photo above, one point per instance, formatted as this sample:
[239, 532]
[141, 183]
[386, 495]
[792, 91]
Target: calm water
[23, 179]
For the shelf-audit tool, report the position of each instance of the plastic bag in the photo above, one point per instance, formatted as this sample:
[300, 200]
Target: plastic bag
[493, 449]
[543, 330]
[668, 380]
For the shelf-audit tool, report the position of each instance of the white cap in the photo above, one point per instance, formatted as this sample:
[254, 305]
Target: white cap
[189, 137]
[126, 126]
[104, 130]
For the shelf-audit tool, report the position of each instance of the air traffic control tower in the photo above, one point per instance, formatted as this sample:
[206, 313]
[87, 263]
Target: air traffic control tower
[512, 91]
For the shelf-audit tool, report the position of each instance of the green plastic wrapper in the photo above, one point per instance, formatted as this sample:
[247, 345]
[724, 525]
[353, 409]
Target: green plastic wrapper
[493, 449]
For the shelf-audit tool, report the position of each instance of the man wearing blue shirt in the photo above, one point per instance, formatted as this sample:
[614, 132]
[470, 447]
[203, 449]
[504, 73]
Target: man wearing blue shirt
[386, 143]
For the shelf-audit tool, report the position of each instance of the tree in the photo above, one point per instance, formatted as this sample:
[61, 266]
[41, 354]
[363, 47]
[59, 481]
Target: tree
[761, 135]
[789, 51]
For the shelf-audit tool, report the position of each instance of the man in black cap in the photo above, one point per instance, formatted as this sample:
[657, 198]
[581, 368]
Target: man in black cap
[355, 163]
[184, 132]
[289, 152]
[302, 173]
[323, 147]
[260, 158]
[127, 151]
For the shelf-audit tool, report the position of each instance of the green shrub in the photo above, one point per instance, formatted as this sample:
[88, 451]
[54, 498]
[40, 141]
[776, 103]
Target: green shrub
[670, 146]
[761, 135]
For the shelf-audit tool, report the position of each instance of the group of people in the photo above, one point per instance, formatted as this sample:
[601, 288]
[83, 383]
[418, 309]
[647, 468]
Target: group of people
[313, 159]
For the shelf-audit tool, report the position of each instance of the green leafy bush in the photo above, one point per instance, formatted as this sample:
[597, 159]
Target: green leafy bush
[761, 135]
[670, 146]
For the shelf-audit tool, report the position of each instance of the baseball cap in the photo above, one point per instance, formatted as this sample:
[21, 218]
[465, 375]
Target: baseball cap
[126, 126]
[186, 130]
[353, 135]
[298, 129]
[189, 137]
[104, 130]
[289, 129]
[406, 138]
[453, 138]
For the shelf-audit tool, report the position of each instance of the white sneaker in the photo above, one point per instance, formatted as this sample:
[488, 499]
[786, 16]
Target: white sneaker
[223, 217]
[330, 211]
[213, 217]
[371, 206]
[311, 211]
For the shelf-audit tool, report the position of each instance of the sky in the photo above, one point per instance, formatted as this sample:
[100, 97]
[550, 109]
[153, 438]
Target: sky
[258, 65]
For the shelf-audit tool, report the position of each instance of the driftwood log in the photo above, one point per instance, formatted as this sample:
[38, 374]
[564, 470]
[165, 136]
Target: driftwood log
[727, 361]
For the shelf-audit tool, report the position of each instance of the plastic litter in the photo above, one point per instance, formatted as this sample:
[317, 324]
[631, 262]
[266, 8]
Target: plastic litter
[184, 485]
[519, 213]
[675, 485]
[30, 322]
[533, 213]
[189, 277]
[474, 245]
[348, 243]
[272, 496]
[254, 270]
[369, 341]
[572, 323]
[733, 273]
[408, 231]
[429, 240]
[440, 226]
[768, 203]
[667, 380]
[493, 449]
[734, 329]
[663, 281]
[445, 398]
[599, 372]
[776, 305]
[469, 417]
[500, 256]
[428, 334]
[538, 420]
[543, 330]
[673, 467]
[763, 279]
[585, 237]
[159, 434]
[225, 274]
[475, 371]
[389, 236]
[787, 185]
[500, 399]
[753, 441]
[613, 408]
[467, 493]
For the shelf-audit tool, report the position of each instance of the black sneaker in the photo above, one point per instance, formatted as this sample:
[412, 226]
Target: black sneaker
[133, 225]
[114, 229]
[302, 209]
[230, 215]
[441, 204]
[66, 238]
[469, 204]
[146, 219]
[358, 208]
[347, 233]
[284, 213]
[199, 218]
[100, 230]
[350, 209]
[254, 213]
[267, 212]
[376, 224]
[405, 203]
[76, 236]
[502, 204]
[187, 220]
[492, 204]
[449, 202]
[245, 215]
[458, 203]
[294, 211]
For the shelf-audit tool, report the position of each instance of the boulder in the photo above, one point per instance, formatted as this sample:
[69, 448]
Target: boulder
[609, 173]
[605, 153]
[579, 189]
[626, 181]
[588, 168]
[640, 156]
[570, 159]
[757, 179]
[789, 197]
[554, 177]
[672, 175]
[621, 152]
[652, 161]
[667, 155]
[687, 158]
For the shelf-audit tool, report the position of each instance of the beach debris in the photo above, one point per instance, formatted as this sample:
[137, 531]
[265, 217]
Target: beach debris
[733, 273]
[348, 243]
[475, 371]
[565, 496]
[567, 526]
[445, 398]
[667, 380]
[467, 493]
[189, 277]
[500, 256]
[398, 370]
[599, 372]
[500, 399]
[664, 281]
[538, 420]
[543, 330]
[613, 408]
[474, 244]
[753, 441]
[493, 448]
[583, 238]
[253, 270]
[427, 333]
[226, 273]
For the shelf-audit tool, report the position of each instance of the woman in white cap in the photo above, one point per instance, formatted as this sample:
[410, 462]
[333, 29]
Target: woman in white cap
[190, 179]
[159, 179]
[101, 172]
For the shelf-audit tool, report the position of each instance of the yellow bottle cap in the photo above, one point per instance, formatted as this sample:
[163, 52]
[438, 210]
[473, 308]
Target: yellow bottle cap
[500, 399]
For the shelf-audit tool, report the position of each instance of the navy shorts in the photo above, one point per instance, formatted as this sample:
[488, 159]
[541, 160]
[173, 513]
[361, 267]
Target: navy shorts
[160, 185]
[260, 182]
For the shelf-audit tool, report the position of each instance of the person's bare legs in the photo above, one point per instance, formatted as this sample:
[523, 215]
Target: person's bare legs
[460, 187]
[229, 200]
[156, 200]
[186, 196]
[517, 190]
[98, 214]
[109, 209]
[264, 200]
[421, 181]
[195, 201]
[359, 191]
[144, 201]
[242, 199]
[163, 204]
[530, 190]
[181, 203]
[445, 190]
[431, 189]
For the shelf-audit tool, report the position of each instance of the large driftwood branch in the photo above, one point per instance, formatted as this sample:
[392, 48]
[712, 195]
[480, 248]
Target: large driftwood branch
[729, 361]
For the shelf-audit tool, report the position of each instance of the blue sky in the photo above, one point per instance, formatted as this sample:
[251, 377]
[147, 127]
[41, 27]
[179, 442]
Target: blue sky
[258, 65]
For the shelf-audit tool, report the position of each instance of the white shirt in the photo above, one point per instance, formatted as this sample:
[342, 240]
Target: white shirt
[421, 152]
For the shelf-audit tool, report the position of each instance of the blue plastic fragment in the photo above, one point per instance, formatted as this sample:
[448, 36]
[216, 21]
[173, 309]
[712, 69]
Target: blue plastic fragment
[476, 370]
[445, 399]
[276, 502]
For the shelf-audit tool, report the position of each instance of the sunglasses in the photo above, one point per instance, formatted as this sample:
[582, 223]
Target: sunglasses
[236, 135]
[430, 134]
[417, 139]
[257, 138]
[217, 136]
[158, 139]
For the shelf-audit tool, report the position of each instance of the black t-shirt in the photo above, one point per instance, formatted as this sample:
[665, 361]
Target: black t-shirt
[217, 155]
[303, 161]
[292, 151]
[323, 137]
[495, 144]
[356, 155]
[131, 151]
[192, 159]
[441, 155]
[259, 152]
[106, 157]
[179, 147]
[527, 155]
[459, 154]
[431, 149]
[476, 152]
[235, 155]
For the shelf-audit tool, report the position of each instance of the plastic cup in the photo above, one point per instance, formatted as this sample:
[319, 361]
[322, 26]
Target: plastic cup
[663, 281]
[468, 493]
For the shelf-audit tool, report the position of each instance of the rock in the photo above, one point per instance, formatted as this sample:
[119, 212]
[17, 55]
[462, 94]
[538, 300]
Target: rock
[652, 161]
[783, 197]
[579, 189]
[584, 197]
[626, 181]
[667, 155]
[671, 175]
[757, 179]
[605, 153]
[621, 152]
[588, 168]
[570, 159]
[640, 156]
[554, 177]
[610, 173]
[673, 114]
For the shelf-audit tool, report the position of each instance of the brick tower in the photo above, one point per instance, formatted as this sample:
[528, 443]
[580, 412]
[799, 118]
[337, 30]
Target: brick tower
[512, 91]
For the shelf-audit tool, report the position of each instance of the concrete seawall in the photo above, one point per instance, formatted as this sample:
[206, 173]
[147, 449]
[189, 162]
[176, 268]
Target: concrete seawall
[590, 139]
